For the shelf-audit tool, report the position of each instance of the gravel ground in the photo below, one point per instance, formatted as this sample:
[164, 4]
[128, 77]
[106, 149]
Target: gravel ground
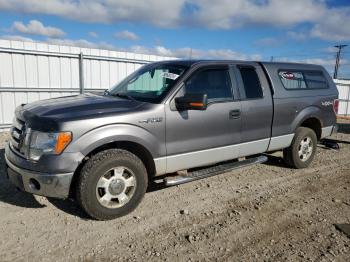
[266, 212]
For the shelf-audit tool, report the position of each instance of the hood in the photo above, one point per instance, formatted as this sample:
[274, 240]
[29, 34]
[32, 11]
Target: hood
[51, 111]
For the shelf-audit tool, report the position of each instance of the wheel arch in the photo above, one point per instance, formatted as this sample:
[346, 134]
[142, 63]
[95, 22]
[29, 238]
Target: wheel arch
[137, 149]
[134, 139]
[310, 117]
[315, 124]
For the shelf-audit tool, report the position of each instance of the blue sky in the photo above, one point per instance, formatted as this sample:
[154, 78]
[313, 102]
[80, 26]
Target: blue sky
[299, 30]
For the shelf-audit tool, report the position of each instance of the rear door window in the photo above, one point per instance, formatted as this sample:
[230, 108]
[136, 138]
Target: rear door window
[294, 80]
[251, 83]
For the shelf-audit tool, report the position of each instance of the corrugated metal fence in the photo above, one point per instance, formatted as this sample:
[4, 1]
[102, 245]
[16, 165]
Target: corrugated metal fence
[31, 71]
[344, 97]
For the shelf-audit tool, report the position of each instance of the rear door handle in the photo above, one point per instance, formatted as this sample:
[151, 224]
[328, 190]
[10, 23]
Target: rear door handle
[234, 114]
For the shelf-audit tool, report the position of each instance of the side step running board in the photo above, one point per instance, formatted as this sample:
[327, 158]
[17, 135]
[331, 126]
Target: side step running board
[213, 171]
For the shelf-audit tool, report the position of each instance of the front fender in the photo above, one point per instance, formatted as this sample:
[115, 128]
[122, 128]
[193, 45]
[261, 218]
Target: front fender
[114, 133]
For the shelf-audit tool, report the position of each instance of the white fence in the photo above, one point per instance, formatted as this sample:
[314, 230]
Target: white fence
[31, 71]
[344, 97]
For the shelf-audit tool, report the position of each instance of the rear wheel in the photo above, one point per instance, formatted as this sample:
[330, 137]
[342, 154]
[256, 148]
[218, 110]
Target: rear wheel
[111, 184]
[303, 148]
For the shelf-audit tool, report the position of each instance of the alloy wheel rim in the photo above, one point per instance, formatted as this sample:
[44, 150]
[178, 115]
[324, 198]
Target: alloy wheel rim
[305, 149]
[116, 187]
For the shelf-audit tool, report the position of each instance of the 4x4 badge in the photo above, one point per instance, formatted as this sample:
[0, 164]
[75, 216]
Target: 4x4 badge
[327, 103]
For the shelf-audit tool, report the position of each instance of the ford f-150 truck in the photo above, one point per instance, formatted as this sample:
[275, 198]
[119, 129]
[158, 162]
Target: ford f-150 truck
[196, 116]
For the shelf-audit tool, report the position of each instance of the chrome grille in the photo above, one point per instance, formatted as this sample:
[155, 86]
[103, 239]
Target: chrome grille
[18, 135]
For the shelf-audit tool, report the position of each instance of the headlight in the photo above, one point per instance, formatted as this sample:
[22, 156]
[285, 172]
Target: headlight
[48, 143]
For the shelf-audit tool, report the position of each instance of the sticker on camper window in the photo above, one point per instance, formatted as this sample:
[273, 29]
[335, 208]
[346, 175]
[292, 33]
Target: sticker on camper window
[171, 76]
[292, 80]
[287, 75]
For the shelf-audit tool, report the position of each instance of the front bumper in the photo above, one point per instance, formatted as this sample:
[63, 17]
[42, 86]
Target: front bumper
[44, 184]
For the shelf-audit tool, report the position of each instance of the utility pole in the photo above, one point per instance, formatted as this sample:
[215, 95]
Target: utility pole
[271, 59]
[337, 60]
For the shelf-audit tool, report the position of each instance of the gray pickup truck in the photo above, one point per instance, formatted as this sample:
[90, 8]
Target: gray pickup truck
[196, 116]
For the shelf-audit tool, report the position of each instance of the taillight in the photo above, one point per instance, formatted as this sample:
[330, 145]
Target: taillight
[336, 106]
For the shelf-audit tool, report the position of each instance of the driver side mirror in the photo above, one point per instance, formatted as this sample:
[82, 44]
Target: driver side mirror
[192, 102]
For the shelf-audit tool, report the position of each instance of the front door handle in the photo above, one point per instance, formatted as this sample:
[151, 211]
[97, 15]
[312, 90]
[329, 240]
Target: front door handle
[234, 114]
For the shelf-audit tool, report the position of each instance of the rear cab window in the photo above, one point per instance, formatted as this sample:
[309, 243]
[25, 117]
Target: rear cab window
[300, 79]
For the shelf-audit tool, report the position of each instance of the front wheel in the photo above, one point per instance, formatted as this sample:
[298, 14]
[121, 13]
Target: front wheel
[302, 150]
[111, 184]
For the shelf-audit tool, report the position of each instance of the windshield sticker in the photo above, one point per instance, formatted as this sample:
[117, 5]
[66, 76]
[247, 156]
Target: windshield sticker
[171, 76]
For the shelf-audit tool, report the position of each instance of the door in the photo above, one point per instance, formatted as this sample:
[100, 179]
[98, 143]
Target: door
[196, 138]
[257, 109]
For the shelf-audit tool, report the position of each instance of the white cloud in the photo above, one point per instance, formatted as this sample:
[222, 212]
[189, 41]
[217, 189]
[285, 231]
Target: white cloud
[35, 27]
[184, 52]
[328, 23]
[187, 52]
[93, 34]
[127, 35]
[228, 14]
[157, 12]
[327, 62]
[17, 38]
[318, 61]
[80, 43]
[334, 27]
[66, 42]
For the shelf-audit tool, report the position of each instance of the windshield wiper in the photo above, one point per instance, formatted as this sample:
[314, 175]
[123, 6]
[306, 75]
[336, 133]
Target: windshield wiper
[121, 95]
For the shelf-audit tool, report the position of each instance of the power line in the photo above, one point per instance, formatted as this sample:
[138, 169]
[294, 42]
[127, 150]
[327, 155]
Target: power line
[337, 60]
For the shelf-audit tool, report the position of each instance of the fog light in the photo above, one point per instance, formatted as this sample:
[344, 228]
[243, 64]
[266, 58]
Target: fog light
[34, 184]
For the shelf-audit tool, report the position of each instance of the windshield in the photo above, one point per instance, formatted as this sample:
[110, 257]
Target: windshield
[150, 83]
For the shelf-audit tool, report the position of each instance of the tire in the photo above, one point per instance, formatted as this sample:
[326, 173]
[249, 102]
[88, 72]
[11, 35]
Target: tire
[292, 155]
[111, 184]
